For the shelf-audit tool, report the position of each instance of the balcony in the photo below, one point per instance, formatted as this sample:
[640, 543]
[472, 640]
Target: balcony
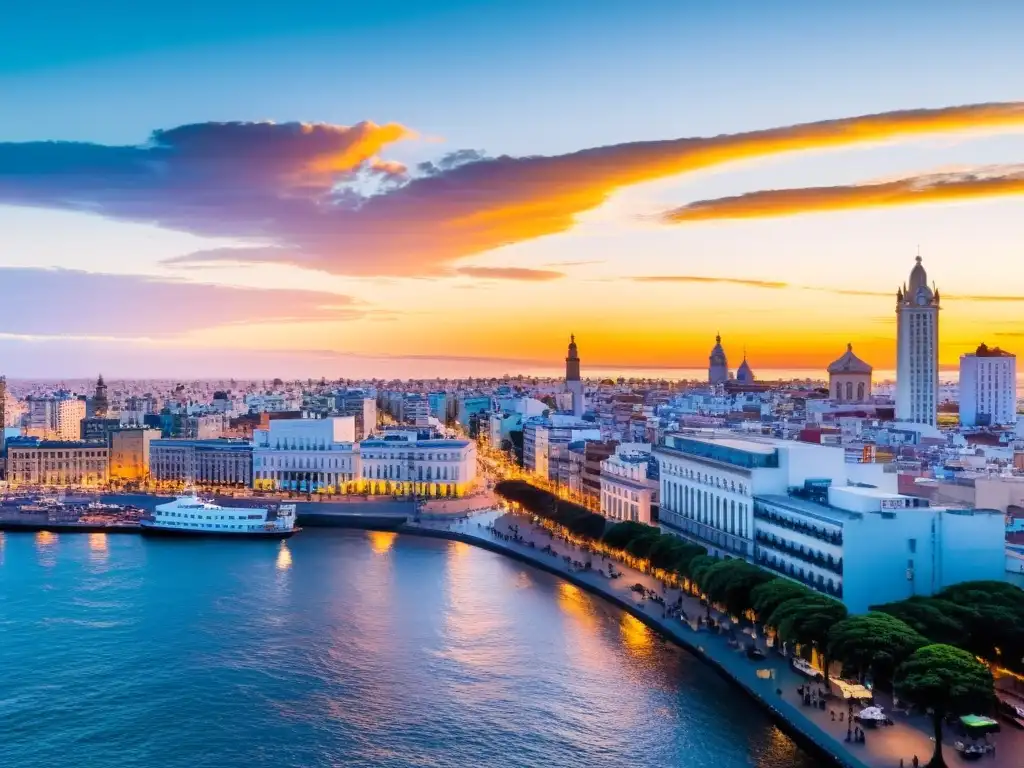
[829, 537]
[821, 584]
[705, 534]
[819, 559]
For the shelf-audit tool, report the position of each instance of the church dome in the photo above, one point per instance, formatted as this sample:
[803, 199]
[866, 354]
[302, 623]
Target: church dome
[745, 374]
[849, 363]
[917, 291]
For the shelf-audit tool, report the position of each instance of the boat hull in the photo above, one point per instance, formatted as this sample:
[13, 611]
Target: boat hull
[181, 533]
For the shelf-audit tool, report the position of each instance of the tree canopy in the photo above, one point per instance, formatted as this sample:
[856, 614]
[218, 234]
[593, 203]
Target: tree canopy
[983, 617]
[730, 582]
[947, 680]
[873, 641]
[765, 598]
[699, 565]
[574, 517]
[619, 535]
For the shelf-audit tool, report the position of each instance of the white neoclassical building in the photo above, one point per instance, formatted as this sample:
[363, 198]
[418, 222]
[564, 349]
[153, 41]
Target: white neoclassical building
[799, 510]
[628, 486]
[917, 349]
[709, 480]
[310, 455]
[398, 465]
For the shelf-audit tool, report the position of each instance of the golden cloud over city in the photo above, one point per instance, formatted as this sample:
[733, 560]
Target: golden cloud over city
[997, 181]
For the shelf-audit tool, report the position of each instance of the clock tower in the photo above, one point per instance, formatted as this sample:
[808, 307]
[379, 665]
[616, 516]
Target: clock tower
[917, 349]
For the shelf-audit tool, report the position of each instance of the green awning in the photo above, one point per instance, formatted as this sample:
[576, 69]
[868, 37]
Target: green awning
[979, 723]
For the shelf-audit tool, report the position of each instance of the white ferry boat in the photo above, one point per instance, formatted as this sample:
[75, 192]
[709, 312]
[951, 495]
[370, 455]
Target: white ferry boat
[192, 516]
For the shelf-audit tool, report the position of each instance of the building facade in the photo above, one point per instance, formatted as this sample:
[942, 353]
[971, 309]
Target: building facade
[203, 462]
[917, 349]
[629, 489]
[98, 429]
[546, 445]
[799, 510]
[129, 454]
[849, 378]
[34, 462]
[361, 407]
[55, 417]
[421, 467]
[988, 388]
[866, 547]
[306, 455]
[709, 480]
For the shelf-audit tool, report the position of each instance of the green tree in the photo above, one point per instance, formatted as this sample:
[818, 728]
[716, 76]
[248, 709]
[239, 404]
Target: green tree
[765, 598]
[730, 582]
[699, 566]
[873, 641]
[994, 619]
[619, 535]
[685, 558]
[941, 621]
[948, 681]
[807, 621]
[640, 546]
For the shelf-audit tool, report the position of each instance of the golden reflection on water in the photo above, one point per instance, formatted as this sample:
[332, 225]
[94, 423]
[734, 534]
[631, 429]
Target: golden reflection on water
[46, 548]
[284, 557]
[459, 548]
[576, 603]
[381, 541]
[637, 638]
[779, 750]
[98, 547]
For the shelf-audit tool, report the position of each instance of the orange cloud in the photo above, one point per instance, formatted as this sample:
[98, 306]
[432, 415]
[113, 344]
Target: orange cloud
[511, 273]
[297, 204]
[985, 182]
[702, 279]
[361, 144]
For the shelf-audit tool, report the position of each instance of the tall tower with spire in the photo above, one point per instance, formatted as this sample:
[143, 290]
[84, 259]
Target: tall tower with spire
[718, 365]
[573, 383]
[917, 349]
[100, 404]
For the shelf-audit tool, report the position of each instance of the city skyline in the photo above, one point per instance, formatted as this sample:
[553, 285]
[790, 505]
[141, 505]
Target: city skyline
[273, 196]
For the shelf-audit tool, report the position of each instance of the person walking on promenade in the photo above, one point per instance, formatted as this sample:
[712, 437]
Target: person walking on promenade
[915, 762]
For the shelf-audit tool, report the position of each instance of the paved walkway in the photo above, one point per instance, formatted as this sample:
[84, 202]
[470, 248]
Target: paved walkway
[882, 747]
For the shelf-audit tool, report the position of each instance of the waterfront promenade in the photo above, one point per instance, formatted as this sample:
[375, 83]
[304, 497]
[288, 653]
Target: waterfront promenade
[882, 747]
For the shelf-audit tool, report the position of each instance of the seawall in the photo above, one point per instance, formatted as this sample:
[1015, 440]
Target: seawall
[808, 735]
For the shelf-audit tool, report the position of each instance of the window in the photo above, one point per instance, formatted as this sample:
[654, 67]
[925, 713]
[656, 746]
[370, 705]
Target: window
[912, 545]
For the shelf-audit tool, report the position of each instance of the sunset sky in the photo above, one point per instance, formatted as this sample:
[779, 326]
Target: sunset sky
[452, 188]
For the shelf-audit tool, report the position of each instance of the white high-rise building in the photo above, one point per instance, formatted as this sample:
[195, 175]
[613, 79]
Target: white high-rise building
[917, 349]
[988, 388]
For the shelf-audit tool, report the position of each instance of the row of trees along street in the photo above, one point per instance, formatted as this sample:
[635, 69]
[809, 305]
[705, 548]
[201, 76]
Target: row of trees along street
[923, 649]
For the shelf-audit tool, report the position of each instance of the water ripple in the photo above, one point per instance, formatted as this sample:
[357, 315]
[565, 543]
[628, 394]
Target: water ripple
[342, 649]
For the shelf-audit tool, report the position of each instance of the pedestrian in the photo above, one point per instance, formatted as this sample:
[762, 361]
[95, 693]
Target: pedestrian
[901, 762]
[915, 762]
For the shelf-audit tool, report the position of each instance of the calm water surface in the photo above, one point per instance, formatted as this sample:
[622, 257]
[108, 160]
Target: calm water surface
[341, 649]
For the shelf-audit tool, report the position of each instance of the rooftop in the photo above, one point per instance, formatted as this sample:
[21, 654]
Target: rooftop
[35, 442]
[823, 512]
[984, 350]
